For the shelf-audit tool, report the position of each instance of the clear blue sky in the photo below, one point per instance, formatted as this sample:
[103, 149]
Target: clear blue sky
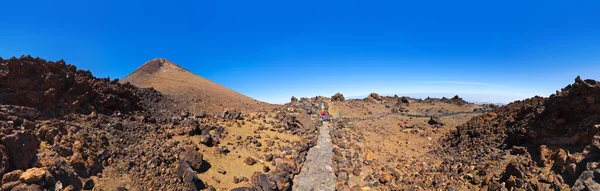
[271, 50]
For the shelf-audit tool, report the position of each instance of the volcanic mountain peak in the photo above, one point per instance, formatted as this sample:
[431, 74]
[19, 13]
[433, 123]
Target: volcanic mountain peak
[169, 78]
[159, 64]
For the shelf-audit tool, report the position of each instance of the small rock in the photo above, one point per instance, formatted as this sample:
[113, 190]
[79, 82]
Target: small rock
[221, 170]
[250, 161]
[206, 140]
[269, 157]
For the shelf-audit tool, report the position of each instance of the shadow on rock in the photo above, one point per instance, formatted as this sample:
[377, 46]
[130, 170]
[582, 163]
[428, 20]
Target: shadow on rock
[204, 167]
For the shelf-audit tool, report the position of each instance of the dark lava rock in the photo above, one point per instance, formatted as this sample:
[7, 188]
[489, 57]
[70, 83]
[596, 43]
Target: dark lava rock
[201, 115]
[192, 158]
[189, 176]
[338, 97]
[375, 96]
[250, 161]
[232, 115]
[269, 157]
[89, 184]
[206, 140]
[435, 120]
[22, 147]
[262, 181]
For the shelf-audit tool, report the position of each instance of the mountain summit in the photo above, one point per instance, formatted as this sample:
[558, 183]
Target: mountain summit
[194, 92]
[157, 65]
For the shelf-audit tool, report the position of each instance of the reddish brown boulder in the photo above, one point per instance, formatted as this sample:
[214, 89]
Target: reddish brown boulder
[374, 96]
[192, 157]
[338, 97]
[22, 147]
[262, 181]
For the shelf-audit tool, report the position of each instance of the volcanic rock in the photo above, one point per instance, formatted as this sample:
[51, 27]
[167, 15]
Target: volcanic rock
[22, 147]
[33, 175]
[435, 120]
[192, 158]
[250, 161]
[189, 176]
[338, 97]
[4, 162]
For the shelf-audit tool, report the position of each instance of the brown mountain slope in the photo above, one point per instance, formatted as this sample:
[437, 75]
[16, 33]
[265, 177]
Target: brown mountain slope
[195, 93]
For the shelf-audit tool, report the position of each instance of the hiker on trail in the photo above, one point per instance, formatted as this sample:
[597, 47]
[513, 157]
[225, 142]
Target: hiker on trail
[322, 114]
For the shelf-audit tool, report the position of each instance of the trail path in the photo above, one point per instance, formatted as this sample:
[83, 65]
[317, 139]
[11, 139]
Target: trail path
[317, 172]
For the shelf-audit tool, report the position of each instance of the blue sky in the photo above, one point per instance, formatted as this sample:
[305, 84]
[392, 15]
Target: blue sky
[496, 51]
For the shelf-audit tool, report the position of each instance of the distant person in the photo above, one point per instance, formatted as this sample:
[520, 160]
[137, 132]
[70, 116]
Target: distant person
[322, 114]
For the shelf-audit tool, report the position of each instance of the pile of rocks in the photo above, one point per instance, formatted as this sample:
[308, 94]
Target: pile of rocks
[553, 141]
[57, 89]
[87, 124]
[373, 97]
[294, 119]
[338, 97]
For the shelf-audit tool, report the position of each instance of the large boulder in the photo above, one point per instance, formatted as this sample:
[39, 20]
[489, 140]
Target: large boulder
[296, 121]
[338, 97]
[404, 99]
[59, 169]
[262, 181]
[22, 147]
[435, 120]
[192, 157]
[374, 97]
[189, 176]
[588, 180]
[34, 175]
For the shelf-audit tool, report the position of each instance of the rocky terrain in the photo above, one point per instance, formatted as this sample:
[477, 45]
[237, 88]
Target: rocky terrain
[63, 129]
[448, 144]
[535, 144]
[385, 142]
